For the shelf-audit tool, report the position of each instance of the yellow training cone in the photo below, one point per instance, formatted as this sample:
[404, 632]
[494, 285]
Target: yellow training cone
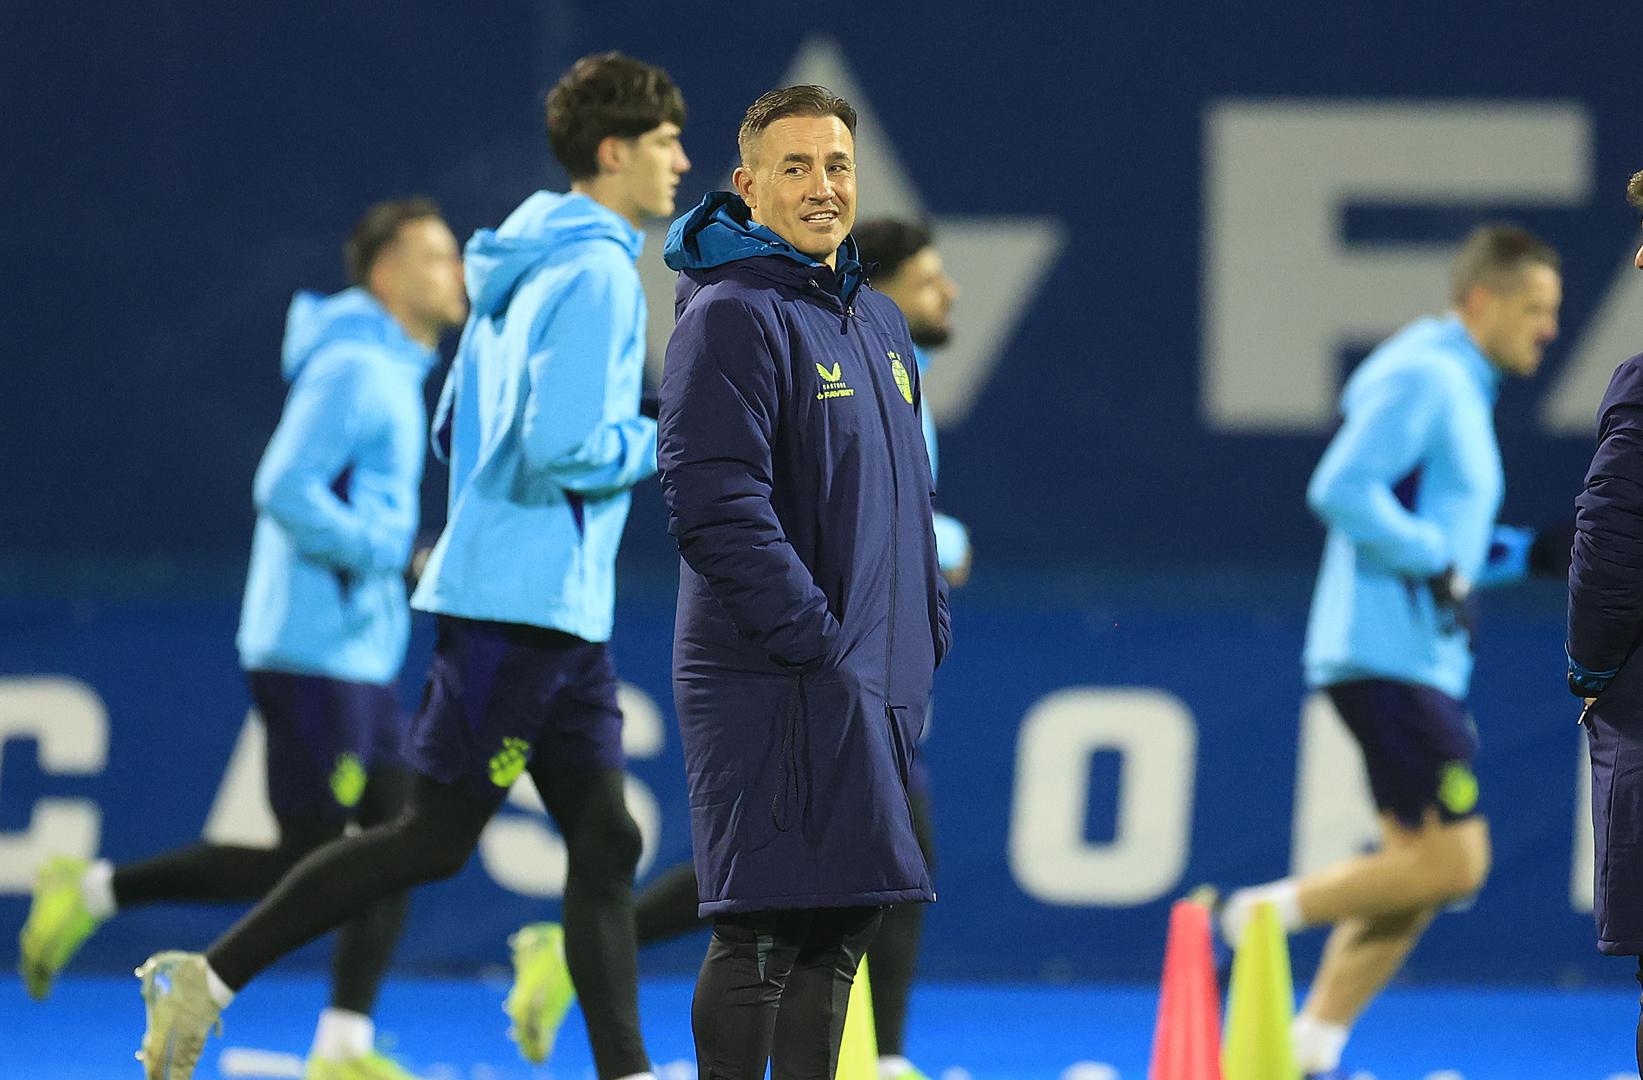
[1260, 1004]
[859, 1052]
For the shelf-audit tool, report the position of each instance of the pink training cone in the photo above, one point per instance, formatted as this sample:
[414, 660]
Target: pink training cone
[1186, 1043]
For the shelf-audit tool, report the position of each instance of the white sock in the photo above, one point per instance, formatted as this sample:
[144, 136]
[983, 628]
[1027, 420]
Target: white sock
[97, 889]
[1318, 1043]
[220, 993]
[638, 1076]
[1284, 896]
[342, 1035]
[892, 1066]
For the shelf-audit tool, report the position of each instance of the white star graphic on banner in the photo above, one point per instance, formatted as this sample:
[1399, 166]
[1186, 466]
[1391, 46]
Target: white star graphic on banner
[998, 261]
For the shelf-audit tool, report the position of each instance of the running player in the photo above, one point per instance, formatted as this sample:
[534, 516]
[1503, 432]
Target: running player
[1409, 488]
[540, 418]
[324, 625]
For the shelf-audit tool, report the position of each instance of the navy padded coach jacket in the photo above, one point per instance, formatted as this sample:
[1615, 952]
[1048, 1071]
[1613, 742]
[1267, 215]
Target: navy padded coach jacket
[811, 611]
[1605, 625]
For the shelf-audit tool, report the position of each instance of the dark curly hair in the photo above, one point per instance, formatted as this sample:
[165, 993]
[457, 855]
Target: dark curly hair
[604, 95]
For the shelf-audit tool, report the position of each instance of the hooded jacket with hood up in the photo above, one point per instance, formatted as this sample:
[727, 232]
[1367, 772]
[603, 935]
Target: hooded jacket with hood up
[811, 612]
[540, 421]
[336, 496]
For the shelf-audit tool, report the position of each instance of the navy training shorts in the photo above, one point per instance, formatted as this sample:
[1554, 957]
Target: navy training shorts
[501, 696]
[1418, 744]
[325, 737]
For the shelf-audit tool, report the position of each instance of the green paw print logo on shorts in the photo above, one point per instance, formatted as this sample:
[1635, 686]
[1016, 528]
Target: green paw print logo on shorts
[1458, 788]
[509, 762]
[348, 780]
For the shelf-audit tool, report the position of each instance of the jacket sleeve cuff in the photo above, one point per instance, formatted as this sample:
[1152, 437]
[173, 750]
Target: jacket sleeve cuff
[1434, 550]
[1584, 682]
[389, 550]
[1507, 562]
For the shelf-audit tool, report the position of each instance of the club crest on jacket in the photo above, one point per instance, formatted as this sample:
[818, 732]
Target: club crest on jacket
[904, 382]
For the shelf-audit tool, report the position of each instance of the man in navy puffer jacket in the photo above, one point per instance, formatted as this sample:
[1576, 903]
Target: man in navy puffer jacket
[1605, 664]
[812, 613]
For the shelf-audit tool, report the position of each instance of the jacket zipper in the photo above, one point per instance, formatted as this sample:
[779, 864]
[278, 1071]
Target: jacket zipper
[895, 573]
[895, 553]
[895, 530]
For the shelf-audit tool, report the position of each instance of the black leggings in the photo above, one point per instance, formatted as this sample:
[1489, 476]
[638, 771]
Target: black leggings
[432, 840]
[667, 908]
[228, 873]
[773, 990]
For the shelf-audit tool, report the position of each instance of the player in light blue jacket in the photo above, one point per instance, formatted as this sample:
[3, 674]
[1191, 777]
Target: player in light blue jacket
[1409, 489]
[324, 624]
[541, 414]
[337, 496]
[540, 418]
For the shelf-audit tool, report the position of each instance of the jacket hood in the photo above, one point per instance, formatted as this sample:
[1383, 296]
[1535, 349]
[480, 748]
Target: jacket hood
[496, 260]
[315, 321]
[721, 230]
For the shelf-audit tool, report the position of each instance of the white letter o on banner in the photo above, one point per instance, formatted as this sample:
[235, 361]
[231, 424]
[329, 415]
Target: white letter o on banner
[1154, 733]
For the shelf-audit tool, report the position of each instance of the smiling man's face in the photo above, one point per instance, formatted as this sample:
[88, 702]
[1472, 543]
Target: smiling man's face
[799, 180]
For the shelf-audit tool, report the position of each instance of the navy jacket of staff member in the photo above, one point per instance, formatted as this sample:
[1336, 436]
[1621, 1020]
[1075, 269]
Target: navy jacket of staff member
[1605, 623]
[811, 611]
[1605, 628]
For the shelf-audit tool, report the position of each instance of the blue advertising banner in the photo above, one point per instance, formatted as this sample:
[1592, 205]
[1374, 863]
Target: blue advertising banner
[1091, 764]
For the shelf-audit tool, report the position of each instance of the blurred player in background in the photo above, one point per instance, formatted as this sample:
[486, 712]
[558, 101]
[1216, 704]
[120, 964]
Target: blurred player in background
[1409, 488]
[324, 625]
[1605, 621]
[540, 419]
[909, 270]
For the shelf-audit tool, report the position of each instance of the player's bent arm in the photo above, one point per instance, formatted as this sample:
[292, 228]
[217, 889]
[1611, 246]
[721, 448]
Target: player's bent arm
[312, 447]
[719, 407]
[1381, 441]
[576, 344]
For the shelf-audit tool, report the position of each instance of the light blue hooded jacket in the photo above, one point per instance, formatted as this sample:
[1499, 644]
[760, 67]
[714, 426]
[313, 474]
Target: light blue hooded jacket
[1409, 488]
[541, 414]
[336, 496]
